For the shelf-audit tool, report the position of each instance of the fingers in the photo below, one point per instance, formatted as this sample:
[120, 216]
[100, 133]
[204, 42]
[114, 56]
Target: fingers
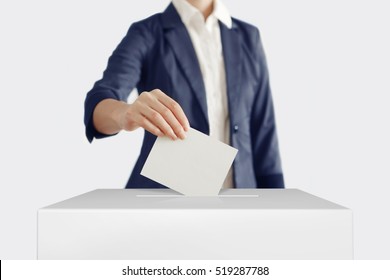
[160, 115]
[146, 124]
[158, 120]
[166, 120]
[175, 108]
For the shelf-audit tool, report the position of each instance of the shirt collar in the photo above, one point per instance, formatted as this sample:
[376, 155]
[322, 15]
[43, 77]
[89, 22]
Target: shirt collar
[186, 11]
[222, 13]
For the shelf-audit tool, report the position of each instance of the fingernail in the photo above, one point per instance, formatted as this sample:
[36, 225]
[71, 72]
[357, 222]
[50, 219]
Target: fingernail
[183, 135]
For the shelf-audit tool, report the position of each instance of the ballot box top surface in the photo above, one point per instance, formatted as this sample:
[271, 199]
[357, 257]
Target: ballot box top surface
[122, 199]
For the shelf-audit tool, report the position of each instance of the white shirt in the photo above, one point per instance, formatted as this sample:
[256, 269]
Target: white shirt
[206, 39]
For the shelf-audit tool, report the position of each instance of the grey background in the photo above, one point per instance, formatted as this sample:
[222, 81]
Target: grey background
[329, 68]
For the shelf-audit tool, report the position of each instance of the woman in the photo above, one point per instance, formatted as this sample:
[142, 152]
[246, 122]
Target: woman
[193, 65]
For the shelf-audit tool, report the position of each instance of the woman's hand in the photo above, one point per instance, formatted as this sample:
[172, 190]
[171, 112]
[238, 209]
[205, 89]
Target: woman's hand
[155, 111]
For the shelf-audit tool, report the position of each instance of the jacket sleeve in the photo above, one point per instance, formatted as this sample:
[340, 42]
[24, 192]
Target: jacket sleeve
[121, 76]
[266, 157]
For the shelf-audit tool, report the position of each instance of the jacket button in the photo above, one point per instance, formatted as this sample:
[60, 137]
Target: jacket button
[235, 128]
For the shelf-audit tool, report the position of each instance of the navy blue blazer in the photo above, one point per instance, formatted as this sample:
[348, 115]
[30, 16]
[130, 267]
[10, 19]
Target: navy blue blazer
[157, 53]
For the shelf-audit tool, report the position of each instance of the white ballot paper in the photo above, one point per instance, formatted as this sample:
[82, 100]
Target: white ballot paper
[195, 166]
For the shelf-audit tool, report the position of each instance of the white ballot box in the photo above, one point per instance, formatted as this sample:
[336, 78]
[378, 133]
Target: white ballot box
[161, 224]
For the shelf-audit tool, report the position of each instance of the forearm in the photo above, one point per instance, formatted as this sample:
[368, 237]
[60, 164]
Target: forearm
[106, 116]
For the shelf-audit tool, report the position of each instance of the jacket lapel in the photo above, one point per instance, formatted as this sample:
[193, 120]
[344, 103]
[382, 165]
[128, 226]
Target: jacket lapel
[180, 41]
[231, 44]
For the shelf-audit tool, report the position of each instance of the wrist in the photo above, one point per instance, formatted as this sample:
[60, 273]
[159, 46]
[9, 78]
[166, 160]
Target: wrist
[118, 114]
